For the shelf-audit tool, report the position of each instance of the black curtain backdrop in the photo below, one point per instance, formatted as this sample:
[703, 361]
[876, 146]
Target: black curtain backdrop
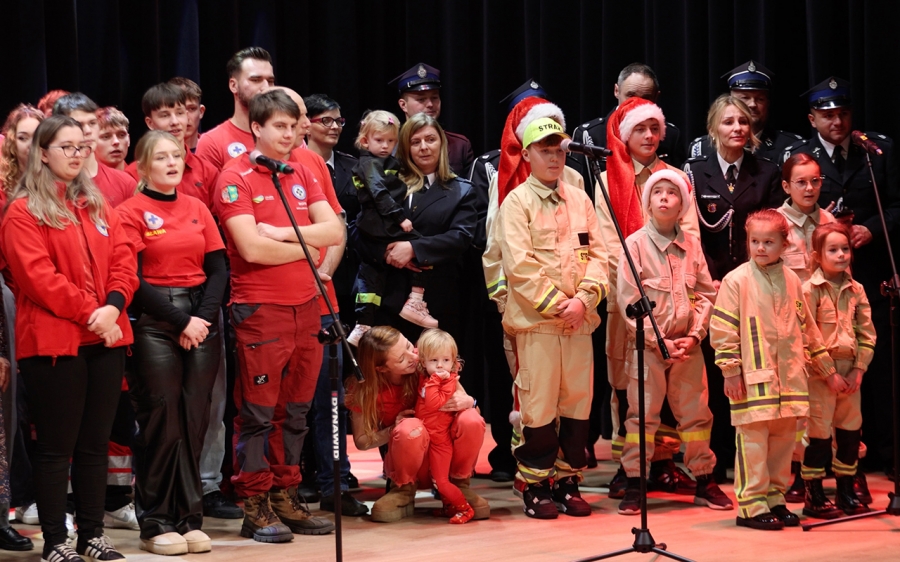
[113, 50]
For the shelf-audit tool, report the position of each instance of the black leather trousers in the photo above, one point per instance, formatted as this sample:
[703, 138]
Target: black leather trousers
[171, 390]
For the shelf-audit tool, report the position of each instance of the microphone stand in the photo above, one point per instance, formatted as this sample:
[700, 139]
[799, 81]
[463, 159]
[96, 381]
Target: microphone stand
[332, 337]
[643, 308]
[889, 288]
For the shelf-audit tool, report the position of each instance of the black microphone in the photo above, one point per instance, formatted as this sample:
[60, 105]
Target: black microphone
[860, 139]
[593, 151]
[277, 166]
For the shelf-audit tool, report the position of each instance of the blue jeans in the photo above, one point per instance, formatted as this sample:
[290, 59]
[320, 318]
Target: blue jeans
[322, 408]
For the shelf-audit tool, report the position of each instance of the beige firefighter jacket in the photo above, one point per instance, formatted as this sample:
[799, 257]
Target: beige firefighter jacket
[491, 259]
[551, 250]
[675, 276]
[761, 329]
[796, 257]
[689, 223]
[844, 318]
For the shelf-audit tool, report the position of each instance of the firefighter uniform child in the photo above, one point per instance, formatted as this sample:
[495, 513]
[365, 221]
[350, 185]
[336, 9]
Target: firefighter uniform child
[672, 269]
[843, 315]
[555, 263]
[762, 336]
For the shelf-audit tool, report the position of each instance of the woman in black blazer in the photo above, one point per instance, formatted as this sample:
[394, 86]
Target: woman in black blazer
[442, 208]
[729, 184]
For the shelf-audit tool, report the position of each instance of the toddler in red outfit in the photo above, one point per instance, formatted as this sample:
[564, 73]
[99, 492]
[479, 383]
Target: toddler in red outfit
[438, 358]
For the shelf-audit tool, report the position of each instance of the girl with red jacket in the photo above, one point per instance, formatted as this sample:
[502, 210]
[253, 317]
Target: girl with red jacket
[177, 347]
[72, 270]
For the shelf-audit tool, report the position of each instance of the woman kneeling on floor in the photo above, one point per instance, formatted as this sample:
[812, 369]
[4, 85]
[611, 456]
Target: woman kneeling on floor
[383, 415]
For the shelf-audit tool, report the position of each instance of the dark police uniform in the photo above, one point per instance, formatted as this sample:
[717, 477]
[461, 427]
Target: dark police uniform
[422, 77]
[671, 149]
[750, 76]
[345, 274]
[855, 191]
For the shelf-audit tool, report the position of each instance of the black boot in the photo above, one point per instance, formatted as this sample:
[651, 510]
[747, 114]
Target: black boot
[797, 492]
[817, 503]
[846, 498]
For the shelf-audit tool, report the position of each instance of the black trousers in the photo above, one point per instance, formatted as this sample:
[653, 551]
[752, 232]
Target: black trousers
[171, 389]
[72, 401]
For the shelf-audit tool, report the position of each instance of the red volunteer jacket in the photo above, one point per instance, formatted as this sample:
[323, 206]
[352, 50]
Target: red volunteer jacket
[46, 273]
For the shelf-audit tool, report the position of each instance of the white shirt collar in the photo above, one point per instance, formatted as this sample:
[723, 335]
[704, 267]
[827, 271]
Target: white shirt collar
[829, 148]
[724, 165]
[330, 160]
[431, 177]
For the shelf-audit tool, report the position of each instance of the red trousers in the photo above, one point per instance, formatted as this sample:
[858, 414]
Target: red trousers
[407, 459]
[279, 359]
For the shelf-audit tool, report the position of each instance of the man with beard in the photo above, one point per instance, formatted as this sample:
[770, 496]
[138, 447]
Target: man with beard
[249, 73]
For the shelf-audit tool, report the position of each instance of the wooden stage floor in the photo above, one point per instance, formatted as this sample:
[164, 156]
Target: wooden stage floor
[688, 530]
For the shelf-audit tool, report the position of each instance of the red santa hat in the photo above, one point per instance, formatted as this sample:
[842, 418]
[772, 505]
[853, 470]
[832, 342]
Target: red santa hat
[619, 168]
[673, 177]
[513, 169]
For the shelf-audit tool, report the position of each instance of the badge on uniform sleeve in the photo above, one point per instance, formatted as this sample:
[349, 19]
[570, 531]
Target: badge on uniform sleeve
[299, 192]
[229, 193]
[152, 221]
[235, 149]
[583, 255]
[101, 228]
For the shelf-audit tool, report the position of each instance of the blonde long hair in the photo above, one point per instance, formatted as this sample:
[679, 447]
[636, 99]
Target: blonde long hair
[372, 354]
[409, 171]
[38, 184]
[9, 157]
[143, 153]
[714, 116]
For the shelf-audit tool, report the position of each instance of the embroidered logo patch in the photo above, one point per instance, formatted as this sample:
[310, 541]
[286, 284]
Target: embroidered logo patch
[299, 192]
[583, 256]
[260, 379]
[152, 221]
[235, 149]
[258, 199]
[229, 194]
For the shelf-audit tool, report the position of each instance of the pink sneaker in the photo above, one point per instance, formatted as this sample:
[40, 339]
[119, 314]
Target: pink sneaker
[416, 311]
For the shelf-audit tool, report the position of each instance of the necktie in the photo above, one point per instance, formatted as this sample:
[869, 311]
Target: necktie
[730, 179]
[839, 159]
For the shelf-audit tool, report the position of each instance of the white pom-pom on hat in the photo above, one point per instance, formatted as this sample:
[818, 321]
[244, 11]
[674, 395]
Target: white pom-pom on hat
[546, 109]
[675, 178]
[638, 115]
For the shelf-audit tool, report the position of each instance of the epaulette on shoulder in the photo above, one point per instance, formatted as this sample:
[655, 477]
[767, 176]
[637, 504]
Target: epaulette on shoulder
[489, 155]
[797, 145]
[701, 158]
[879, 138]
[698, 139]
[345, 155]
[591, 124]
[788, 134]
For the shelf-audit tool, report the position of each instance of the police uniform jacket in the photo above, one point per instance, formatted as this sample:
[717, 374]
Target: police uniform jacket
[758, 186]
[552, 250]
[483, 170]
[459, 151]
[773, 143]
[761, 329]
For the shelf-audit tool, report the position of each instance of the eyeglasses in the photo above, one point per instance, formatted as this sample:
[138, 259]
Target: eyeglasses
[71, 150]
[816, 183]
[328, 122]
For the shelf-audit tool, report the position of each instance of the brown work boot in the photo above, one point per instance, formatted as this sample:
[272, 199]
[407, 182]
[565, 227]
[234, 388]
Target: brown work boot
[287, 505]
[260, 522]
[398, 503]
[479, 504]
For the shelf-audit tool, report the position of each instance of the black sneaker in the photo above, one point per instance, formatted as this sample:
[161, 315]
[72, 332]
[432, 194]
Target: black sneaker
[350, 506]
[215, 504]
[709, 494]
[352, 482]
[60, 553]
[538, 501]
[618, 484]
[98, 548]
[568, 499]
[631, 502]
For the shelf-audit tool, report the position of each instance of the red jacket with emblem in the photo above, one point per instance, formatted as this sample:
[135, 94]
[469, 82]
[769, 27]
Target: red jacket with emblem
[46, 272]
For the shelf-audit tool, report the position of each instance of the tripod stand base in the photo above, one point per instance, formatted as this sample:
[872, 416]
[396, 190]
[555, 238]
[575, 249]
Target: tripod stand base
[643, 543]
[893, 508]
